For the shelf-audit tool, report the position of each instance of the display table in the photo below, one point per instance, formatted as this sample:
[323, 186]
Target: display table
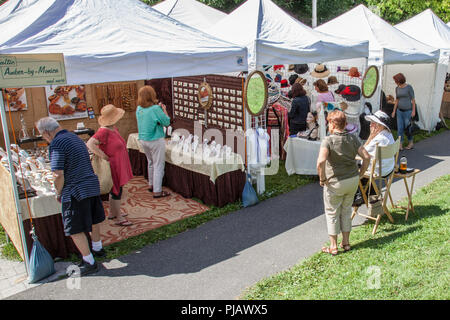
[214, 182]
[301, 156]
[46, 214]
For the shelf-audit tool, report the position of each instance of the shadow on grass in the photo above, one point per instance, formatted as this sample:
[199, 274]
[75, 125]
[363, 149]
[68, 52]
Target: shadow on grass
[396, 230]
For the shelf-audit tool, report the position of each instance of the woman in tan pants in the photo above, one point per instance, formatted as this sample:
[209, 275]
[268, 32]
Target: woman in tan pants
[338, 173]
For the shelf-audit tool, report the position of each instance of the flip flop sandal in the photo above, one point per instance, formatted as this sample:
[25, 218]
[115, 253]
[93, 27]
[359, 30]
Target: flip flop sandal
[163, 194]
[330, 251]
[123, 215]
[346, 247]
[409, 148]
[124, 223]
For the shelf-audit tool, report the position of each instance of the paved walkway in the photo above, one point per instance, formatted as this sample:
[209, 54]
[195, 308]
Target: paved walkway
[219, 259]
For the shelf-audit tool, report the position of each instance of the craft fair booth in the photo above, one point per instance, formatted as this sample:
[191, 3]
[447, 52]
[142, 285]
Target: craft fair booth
[392, 51]
[87, 74]
[272, 37]
[426, 27]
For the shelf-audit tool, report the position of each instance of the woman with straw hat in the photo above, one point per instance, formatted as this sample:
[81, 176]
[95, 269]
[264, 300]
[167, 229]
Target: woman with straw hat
[108, 144]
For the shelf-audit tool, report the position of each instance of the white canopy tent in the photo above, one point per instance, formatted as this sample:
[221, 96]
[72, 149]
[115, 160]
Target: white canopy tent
[272, 36]
[429, 29]
[396, 52]
[190, 12]
[106, 41]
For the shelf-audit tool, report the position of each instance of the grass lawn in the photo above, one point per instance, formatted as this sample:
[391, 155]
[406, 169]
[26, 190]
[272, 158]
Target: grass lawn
[405, 260]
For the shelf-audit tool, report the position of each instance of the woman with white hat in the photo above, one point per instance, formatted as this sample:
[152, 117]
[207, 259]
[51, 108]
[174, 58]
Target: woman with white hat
[108, 144]
[380, 134]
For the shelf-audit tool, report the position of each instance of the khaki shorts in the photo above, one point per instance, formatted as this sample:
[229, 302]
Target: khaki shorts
[338, 199]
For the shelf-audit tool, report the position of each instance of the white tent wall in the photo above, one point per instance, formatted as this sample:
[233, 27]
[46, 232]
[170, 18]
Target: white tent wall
[190, 12]
[422, 78]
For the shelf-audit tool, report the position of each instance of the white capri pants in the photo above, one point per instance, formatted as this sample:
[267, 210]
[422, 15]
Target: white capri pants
[338, 198]
[155, 152]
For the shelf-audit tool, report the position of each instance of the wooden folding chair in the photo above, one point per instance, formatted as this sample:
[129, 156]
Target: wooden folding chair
[381, 153]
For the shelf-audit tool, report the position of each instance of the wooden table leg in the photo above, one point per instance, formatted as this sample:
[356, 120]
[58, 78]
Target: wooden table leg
[409, 198]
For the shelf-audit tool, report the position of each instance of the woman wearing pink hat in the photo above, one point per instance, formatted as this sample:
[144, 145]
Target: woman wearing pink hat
[108, 144]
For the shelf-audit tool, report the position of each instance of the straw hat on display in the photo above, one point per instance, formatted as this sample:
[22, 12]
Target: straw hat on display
[110, 115]
[320, 71]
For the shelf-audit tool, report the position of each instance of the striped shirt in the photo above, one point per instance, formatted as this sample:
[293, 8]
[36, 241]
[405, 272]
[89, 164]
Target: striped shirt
[69, 153]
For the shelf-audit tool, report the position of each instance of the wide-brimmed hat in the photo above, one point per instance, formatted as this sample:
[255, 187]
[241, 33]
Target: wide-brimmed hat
[110, 115]
[350, 92]
[354, 72]
[291, 67]
[301, 68]
[292, 78]
[273, 94]
[351, 128]
[380, 117]
[320, 71]
[332, 80]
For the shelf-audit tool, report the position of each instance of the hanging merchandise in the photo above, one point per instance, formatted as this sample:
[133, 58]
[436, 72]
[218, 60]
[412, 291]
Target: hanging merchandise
[263, 146]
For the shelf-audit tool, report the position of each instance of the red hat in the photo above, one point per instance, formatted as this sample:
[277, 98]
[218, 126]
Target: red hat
[278, 66]
[284, 83]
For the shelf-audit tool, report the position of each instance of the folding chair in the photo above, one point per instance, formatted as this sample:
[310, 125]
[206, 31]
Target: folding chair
[381, 153]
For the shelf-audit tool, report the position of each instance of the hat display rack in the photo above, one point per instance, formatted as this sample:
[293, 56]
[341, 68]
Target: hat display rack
[345, 75]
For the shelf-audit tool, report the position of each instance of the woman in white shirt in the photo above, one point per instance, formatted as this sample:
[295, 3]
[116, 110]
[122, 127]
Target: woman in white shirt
[380, 133]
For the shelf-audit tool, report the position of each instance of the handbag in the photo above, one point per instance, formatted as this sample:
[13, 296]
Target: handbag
[249, 197]
[103, 171]
[412, 127]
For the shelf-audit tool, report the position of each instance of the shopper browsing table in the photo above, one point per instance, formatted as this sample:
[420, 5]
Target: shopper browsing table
[108, 144]
[78, 190]
[299, 110]
[151, 118]
[338, 173]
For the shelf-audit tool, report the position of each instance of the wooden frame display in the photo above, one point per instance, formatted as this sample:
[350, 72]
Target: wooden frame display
[369, 83]
[254, 84]
[226, 110]
[205, 95]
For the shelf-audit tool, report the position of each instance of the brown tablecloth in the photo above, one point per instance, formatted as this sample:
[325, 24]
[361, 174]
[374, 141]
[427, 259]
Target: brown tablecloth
[50, 233]
[226, 189]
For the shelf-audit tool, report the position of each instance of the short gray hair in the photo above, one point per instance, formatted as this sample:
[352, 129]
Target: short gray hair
[47, 124]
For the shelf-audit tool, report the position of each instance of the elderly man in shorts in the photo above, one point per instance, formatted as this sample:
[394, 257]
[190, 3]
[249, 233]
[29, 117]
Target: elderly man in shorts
[78, 190]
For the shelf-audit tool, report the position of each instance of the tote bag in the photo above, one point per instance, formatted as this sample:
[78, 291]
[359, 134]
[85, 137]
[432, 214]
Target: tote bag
[249, 197]
[103, 171]
[41, 262]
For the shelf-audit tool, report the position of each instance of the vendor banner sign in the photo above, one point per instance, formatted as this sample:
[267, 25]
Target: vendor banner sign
[26, 70]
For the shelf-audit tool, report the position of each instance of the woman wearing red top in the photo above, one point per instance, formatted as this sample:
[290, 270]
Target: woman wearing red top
[109, 145]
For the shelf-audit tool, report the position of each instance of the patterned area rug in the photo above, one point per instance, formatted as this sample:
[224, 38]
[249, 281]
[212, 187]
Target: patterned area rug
[145, 212]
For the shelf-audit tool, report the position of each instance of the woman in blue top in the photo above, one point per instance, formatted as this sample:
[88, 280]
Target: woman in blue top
[151, 118]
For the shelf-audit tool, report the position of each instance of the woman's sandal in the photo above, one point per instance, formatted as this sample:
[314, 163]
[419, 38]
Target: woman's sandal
[123, 215]
[346, 247]
[124, 223]
[333, 252]
[163, 194]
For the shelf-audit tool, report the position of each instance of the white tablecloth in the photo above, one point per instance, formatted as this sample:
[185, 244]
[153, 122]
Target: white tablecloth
[43, 205]
[301, 156]
[212, 167]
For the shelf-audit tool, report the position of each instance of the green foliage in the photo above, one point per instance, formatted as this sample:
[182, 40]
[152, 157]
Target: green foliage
[393, 11]
[396, 11]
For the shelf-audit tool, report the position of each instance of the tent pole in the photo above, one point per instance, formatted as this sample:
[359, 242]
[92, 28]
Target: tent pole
[14, 182]
[314, 13]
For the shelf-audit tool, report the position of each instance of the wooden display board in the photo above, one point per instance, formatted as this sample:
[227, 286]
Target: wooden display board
[226, 111]
[37, 108]
[8, 211]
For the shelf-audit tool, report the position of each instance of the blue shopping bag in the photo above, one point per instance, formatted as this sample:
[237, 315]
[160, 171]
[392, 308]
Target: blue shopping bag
[249, 197]
[41, 262]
